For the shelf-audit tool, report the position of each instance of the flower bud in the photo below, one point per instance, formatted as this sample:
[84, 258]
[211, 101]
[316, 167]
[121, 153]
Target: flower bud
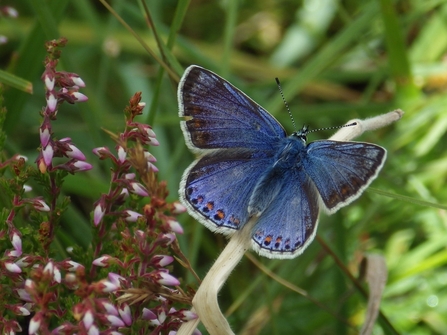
[164, 278]
[115, 321]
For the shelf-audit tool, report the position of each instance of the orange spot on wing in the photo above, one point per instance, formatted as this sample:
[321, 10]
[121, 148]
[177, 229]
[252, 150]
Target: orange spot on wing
[220, 215]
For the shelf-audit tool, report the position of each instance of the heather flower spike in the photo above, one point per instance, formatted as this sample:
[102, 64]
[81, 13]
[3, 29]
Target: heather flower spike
[133, 222]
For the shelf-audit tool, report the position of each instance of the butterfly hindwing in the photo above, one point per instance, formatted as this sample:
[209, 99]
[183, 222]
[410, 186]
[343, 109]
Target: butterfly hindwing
[342, 170]
[289, 223]
[218, 115]
[217, 187]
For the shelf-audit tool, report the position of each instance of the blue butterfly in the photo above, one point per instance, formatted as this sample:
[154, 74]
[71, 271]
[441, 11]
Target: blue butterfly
[248, 167]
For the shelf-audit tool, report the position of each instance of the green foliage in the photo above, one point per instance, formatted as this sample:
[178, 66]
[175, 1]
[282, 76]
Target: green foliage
[336, 61]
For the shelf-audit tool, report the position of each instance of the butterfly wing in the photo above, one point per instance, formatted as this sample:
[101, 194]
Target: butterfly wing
[218, 115]
[288, 225]
[216, 188]
[342, 170]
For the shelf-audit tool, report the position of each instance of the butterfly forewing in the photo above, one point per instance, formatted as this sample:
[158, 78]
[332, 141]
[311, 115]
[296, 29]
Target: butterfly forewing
[218, 115]
[342, 170]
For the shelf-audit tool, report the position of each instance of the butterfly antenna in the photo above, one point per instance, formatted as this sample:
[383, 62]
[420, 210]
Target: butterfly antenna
[285, 102]
[331, 128]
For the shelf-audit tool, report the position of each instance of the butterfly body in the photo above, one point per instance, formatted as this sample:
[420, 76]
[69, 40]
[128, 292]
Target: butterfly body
[249, 168]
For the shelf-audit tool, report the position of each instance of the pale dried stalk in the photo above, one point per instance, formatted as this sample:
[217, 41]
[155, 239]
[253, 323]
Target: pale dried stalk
[376, 277]
[205, 301]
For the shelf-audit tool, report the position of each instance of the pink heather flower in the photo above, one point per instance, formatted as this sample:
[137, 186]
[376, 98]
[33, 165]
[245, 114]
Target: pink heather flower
[27, 188]
[24, 295]
[18, 157]
[122, 154]
[165, 278]
[79, 97]
[60, 330]
[3, 39]
[13, 253]
[20, 310]
[57, 275]
[47, 154]
[30, 285]
[49, 82]
[175, 226]
[178, 208]
[73, 266]
[170, 236]
[93, 330]
[129, 176]
[108, 287]
[139, 234]
[88, 319]
[149, 157]
[40, 205]
[102, 152]
[161, 260]
[152, 167]
[131, 216]
[115, 321]
[103, 261]
[34, 324]
[162, 316]
[125, 314]
[98, 214]
[110, 308]
[148, 314]
[44, 136]
[11, 12]
[115, 278]
[149, 131]
[82, 166]
[52, 271]
[154, 323]
[12, 267]
[154, 142]
[77, 80]
[51, 103]
[48, 269]
[138, 189]
[125, 193]
[187, 315]
[17, 244]
[75, 153]
[24, 262]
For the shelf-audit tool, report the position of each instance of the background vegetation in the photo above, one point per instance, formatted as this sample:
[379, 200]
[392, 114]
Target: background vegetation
[337, 60]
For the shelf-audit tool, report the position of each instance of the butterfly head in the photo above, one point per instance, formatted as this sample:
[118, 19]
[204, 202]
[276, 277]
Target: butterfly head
[301, 134]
